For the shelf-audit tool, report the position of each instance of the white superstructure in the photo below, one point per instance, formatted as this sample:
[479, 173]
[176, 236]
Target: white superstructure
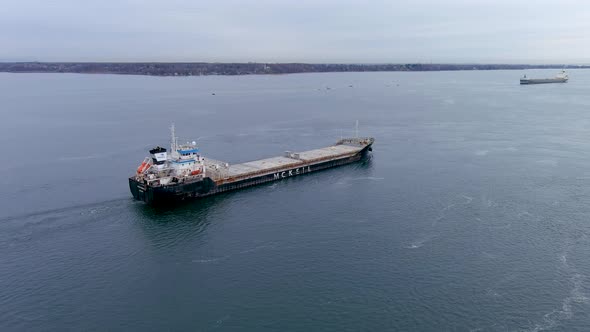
[182, 163]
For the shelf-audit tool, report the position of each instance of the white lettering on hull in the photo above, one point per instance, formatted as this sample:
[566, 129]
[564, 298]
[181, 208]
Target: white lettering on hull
[291, 172]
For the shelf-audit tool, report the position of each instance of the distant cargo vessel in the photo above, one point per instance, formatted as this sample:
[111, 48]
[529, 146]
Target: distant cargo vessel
[559, 78]
[181, 174]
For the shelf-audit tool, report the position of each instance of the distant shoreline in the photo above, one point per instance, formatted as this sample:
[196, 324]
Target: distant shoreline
[250, 68]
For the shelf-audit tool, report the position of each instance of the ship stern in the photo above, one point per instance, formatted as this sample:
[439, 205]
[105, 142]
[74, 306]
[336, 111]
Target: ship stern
[138, 190]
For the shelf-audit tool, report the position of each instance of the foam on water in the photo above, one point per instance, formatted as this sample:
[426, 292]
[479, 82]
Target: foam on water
[576, 295]
[210, 260]
[461, 200]
[419, 243]
[370, 178]
[547, 162]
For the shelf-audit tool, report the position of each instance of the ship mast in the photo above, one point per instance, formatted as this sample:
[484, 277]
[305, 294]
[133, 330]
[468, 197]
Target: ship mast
[173, 145]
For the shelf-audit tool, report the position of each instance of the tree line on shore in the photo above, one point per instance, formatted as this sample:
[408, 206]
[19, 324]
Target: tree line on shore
[250, 68]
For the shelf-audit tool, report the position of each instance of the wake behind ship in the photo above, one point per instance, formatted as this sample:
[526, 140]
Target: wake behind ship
[164, 178]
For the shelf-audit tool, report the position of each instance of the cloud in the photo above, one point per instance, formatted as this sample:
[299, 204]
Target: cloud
[299, 31]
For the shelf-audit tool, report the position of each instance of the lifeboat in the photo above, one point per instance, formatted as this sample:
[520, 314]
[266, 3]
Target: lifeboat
[143, 167]
[196, 172]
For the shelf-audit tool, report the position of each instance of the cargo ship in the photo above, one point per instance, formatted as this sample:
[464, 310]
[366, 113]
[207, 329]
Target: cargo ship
[559, 78]
[183, 173]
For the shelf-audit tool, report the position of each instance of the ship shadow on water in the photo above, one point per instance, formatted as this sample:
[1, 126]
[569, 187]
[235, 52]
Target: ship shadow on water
[164, 225]
[177, 210]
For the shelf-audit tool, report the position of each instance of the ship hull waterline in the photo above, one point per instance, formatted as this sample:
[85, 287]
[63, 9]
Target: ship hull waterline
[165, 195]
[542, 81]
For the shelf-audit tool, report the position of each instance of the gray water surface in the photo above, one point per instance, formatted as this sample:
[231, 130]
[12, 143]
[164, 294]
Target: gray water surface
[472, 214]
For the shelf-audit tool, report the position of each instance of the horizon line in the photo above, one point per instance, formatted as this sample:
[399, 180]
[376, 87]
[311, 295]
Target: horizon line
[316, 63]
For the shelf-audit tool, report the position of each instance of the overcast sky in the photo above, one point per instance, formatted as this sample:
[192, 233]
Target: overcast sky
[482, 31]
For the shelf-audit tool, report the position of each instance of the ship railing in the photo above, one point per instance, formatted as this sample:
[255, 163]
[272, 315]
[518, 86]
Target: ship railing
[176, 180]
[356, 141]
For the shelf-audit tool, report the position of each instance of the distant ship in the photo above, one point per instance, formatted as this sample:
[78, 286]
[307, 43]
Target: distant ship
[559, 78]
[183, 173]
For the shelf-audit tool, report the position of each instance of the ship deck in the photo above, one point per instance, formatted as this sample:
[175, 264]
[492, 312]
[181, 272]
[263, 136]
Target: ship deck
[220, 171]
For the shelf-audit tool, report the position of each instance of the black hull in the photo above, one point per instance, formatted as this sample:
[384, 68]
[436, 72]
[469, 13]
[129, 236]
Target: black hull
[542, 81]
[164, 195]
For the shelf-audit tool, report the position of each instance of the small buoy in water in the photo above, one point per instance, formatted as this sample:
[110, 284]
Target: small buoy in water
[213, 93]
